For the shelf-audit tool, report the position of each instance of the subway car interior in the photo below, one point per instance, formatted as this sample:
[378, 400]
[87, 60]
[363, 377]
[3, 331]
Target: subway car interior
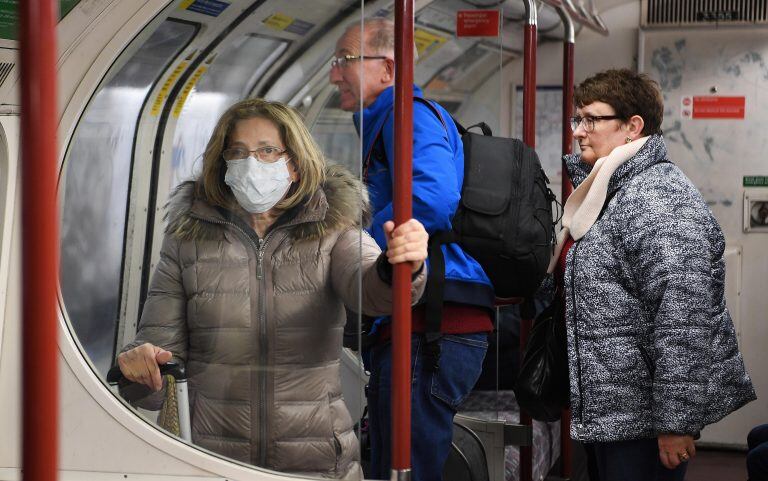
[141, 85]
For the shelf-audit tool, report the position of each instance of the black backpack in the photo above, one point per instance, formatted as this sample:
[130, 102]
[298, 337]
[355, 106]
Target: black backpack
[504, 218]
[504, 221]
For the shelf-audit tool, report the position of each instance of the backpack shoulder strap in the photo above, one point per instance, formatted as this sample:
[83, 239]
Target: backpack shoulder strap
[434, 110]
[462, 131]
[436, 276]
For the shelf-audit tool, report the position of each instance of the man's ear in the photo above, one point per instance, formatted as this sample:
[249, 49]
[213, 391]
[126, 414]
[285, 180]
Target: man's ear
[389, 71]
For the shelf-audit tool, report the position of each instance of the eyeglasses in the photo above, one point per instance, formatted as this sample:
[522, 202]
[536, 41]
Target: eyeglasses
[266, 154]
[342, 62]
[589, 122]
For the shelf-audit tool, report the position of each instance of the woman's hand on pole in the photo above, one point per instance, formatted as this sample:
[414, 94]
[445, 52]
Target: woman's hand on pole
[675, 449]
[406, 243]
[141, 364]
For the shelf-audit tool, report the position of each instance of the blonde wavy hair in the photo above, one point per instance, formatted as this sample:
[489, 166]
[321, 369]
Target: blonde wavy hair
[302, 149]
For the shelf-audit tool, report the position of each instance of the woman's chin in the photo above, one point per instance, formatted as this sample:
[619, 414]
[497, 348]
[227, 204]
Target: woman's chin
[588, 156]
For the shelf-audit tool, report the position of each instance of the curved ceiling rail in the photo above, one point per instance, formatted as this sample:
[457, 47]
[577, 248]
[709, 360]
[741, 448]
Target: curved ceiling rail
[588, 17]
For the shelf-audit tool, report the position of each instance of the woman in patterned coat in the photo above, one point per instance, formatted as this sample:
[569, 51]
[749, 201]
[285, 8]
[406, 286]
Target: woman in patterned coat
[652, 348]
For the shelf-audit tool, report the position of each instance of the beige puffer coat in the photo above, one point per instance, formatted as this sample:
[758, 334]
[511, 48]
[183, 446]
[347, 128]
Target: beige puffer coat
[259, 322]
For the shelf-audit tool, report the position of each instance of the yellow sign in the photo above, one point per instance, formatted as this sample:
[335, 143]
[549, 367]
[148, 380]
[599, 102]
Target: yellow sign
[187, 89]
[157, 105]
[185, 4]
[427, 42]
[278, 21]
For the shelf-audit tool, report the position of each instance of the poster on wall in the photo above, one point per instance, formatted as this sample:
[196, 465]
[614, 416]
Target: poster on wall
[477, 23]
[9, 16]
[712, 107]
[549, 125]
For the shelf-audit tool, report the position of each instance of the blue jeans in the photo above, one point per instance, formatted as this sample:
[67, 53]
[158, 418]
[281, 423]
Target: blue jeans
[757, 456]
[636, 460]
[435, 398]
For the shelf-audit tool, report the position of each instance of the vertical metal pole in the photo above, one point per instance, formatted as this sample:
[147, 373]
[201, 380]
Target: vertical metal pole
[40, 247]
[401, 332]
[529, 137]
[568, 62]
[566, 456]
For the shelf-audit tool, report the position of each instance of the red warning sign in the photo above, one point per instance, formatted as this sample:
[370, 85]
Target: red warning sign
[477, 23]
[716, 107]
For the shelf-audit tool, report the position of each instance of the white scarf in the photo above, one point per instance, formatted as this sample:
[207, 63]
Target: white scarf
[586, 202]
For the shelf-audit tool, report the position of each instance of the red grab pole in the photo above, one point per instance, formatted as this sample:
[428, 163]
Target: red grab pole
[40, 247]
[529, 137]
[401, 332]
[529, 83]
[568, 62]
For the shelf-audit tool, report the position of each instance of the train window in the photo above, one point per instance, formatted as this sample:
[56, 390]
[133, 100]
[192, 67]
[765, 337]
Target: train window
[94, 191]
[257, 315]
[336, 134]
[229, 78]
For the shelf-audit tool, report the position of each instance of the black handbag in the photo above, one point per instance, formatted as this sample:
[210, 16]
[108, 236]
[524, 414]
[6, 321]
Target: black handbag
[542, 388]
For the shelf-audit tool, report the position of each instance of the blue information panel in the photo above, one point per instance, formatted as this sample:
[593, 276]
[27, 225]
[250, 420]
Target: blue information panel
[208, 7]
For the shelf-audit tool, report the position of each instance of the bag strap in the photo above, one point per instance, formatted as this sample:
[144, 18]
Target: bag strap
[462, 131]
[435, 291]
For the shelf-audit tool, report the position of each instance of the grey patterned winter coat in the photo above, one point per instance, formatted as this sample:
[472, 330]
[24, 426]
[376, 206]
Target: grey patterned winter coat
[259, 325]
[651, 344]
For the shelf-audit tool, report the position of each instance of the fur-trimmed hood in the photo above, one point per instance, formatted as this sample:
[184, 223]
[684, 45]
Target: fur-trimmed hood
[340, 202]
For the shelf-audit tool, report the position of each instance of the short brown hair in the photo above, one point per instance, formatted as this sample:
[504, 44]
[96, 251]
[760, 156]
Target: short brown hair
[306, 155]
[629, 93]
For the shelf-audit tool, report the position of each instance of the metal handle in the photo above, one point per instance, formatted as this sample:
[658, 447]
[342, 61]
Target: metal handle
[115, 375]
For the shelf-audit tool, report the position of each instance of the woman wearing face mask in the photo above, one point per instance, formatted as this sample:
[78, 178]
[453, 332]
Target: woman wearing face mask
[260, 257]
[652, 348]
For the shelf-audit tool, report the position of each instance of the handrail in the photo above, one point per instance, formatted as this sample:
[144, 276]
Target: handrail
[590, 19]
[401, 329]
[40, 240]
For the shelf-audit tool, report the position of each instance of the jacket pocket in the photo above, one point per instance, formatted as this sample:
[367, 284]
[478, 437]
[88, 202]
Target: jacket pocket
[649, 364]
[337, 450]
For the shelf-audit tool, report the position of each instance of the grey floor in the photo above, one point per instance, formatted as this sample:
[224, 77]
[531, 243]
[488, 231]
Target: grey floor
[717, 466]
[708, 465]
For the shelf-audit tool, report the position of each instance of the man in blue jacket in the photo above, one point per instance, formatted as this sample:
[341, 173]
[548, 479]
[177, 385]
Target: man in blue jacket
[438, 171]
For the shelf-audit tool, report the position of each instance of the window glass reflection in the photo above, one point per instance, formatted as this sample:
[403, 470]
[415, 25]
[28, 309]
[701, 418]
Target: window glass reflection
[95, 192]
[226, 80]
[259, 263]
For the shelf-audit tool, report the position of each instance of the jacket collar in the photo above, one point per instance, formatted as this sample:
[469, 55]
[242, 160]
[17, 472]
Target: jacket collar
[609, 174]
[340, 202]
[374, 116]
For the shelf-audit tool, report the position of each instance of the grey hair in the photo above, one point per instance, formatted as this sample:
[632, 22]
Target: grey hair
[380, 36]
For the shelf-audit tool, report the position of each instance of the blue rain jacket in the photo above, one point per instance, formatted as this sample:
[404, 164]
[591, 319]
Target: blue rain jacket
[438, 173]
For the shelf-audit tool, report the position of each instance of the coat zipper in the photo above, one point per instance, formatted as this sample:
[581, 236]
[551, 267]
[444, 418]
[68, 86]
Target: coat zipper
[260, 248]
[262, 350]
[576, 330]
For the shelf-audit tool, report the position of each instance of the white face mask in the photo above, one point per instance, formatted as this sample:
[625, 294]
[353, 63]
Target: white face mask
[258, 186]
